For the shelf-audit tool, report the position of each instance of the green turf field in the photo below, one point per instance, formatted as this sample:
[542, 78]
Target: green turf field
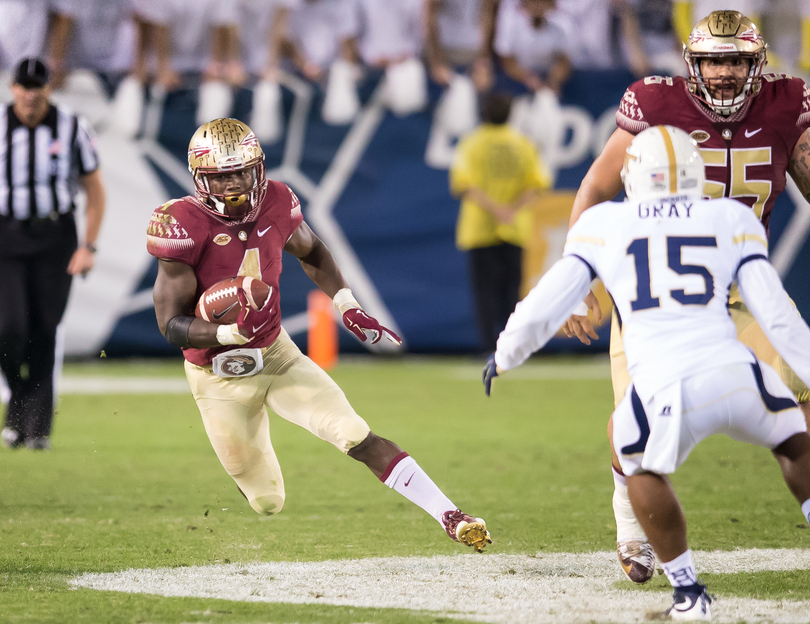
[132, 483]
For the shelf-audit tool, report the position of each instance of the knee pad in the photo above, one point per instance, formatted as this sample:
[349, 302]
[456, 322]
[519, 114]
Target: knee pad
[268, 504]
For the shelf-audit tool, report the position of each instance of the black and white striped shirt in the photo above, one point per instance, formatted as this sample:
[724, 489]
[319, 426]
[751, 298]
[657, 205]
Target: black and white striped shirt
[40, 167]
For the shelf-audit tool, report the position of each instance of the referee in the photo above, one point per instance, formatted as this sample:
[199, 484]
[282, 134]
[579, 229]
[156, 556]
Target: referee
[46, 154]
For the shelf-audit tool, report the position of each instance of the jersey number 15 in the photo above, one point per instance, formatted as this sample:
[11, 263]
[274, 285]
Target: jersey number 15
[640, 250]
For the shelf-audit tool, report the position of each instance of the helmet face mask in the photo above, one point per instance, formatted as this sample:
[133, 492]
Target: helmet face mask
[721, 36]
[227, 163]
[662, 161]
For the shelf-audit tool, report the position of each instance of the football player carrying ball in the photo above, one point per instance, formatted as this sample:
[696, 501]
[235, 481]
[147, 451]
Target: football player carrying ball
[238, 224]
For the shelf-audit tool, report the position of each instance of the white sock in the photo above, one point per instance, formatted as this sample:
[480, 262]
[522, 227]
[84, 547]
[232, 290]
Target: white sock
[806, 510]
[406, 477]
[627, 527]
[681, 570]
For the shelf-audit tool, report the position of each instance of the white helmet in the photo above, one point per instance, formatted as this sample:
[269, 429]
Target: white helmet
[662, 161]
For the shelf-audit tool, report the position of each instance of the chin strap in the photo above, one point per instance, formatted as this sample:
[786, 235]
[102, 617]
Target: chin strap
[218, 205]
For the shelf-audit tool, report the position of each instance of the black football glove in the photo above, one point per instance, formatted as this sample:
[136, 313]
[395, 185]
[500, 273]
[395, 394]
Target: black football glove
[490, 373]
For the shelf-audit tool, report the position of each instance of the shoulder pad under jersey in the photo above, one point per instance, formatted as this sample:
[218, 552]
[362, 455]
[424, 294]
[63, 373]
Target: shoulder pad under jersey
[171, 230]
[648, 94]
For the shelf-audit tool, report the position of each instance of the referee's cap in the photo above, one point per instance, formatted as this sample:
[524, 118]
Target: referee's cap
[31, 72]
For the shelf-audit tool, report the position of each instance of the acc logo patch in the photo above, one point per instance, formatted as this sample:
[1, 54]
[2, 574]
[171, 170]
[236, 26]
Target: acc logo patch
[222, 239]
[238, 365]
[699, 136]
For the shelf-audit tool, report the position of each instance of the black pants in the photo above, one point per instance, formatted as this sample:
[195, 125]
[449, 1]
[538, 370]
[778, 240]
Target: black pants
[496, 273]
[35, 287]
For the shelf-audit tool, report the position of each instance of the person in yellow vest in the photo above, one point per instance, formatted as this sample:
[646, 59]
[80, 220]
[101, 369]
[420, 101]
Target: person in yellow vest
[497, 173]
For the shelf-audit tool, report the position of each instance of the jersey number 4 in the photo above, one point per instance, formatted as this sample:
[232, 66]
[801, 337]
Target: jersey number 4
[640, 250]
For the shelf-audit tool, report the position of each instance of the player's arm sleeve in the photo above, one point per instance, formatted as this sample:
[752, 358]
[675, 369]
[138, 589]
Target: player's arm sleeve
[764, 295]
[803, 121]
[630, 117]
[169, 237]
[544, 310]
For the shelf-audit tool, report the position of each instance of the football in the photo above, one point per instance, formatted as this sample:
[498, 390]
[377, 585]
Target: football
[219, 304]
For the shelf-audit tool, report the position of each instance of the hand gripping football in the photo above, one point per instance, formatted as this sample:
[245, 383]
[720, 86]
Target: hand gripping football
[220, 303]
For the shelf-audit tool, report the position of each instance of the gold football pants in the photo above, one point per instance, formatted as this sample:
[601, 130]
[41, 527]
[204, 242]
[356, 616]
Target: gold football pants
[748, 331]
[234, 413]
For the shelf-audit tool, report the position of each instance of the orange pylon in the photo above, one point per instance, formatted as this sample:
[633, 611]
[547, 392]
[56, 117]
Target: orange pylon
[322, 339]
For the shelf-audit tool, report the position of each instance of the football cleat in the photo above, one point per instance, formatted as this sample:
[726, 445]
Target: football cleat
[466, 529]
[11, 438]
[691, 603]
[637, 559]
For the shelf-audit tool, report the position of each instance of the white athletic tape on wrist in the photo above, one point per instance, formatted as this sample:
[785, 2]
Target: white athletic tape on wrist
[229, 335]
[581, 309]
[344, 300]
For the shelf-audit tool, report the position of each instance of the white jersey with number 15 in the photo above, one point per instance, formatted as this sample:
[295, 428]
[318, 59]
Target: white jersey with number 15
[668, 264]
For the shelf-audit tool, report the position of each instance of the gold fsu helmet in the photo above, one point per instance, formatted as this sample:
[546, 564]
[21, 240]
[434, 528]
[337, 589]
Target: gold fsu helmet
[724, 34]
[221, 146]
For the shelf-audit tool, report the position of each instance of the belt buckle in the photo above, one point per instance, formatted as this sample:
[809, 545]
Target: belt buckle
[238, 363]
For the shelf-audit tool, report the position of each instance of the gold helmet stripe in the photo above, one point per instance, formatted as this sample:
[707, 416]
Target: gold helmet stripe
[673, 169]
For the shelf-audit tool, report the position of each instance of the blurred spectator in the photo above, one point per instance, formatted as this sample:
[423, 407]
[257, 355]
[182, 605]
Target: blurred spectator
[90, 34]
[50, 154]
[532, 48]
[601, 32]
[189, 37]
[786, 28]
[321, 31]
[389, 36]
[459, 35]
[687, 13]
[23, 28]
[497, 172]
[388, 32]
[784, 23]
[658, 40]
[263, 29]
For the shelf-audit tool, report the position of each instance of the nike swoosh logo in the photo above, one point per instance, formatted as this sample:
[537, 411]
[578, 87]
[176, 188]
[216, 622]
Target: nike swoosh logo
[219, 315]
[748, 135]
[264, 231]
[408, 482]
[255, 329]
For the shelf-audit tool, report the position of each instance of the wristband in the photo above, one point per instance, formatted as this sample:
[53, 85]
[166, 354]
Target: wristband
[581, 309]
[229, 335]
[344, 300]
[90, 247]
[177, 331]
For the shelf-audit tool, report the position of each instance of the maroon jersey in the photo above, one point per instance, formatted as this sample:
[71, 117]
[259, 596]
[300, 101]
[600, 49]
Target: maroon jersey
[183, 230]
[747, 153]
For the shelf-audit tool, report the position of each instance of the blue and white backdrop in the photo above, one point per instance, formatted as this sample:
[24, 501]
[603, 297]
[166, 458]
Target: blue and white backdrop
[376, 191]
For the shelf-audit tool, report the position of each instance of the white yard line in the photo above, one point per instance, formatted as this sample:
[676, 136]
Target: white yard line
[592, 368]
[560, 588]
[123, 385]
